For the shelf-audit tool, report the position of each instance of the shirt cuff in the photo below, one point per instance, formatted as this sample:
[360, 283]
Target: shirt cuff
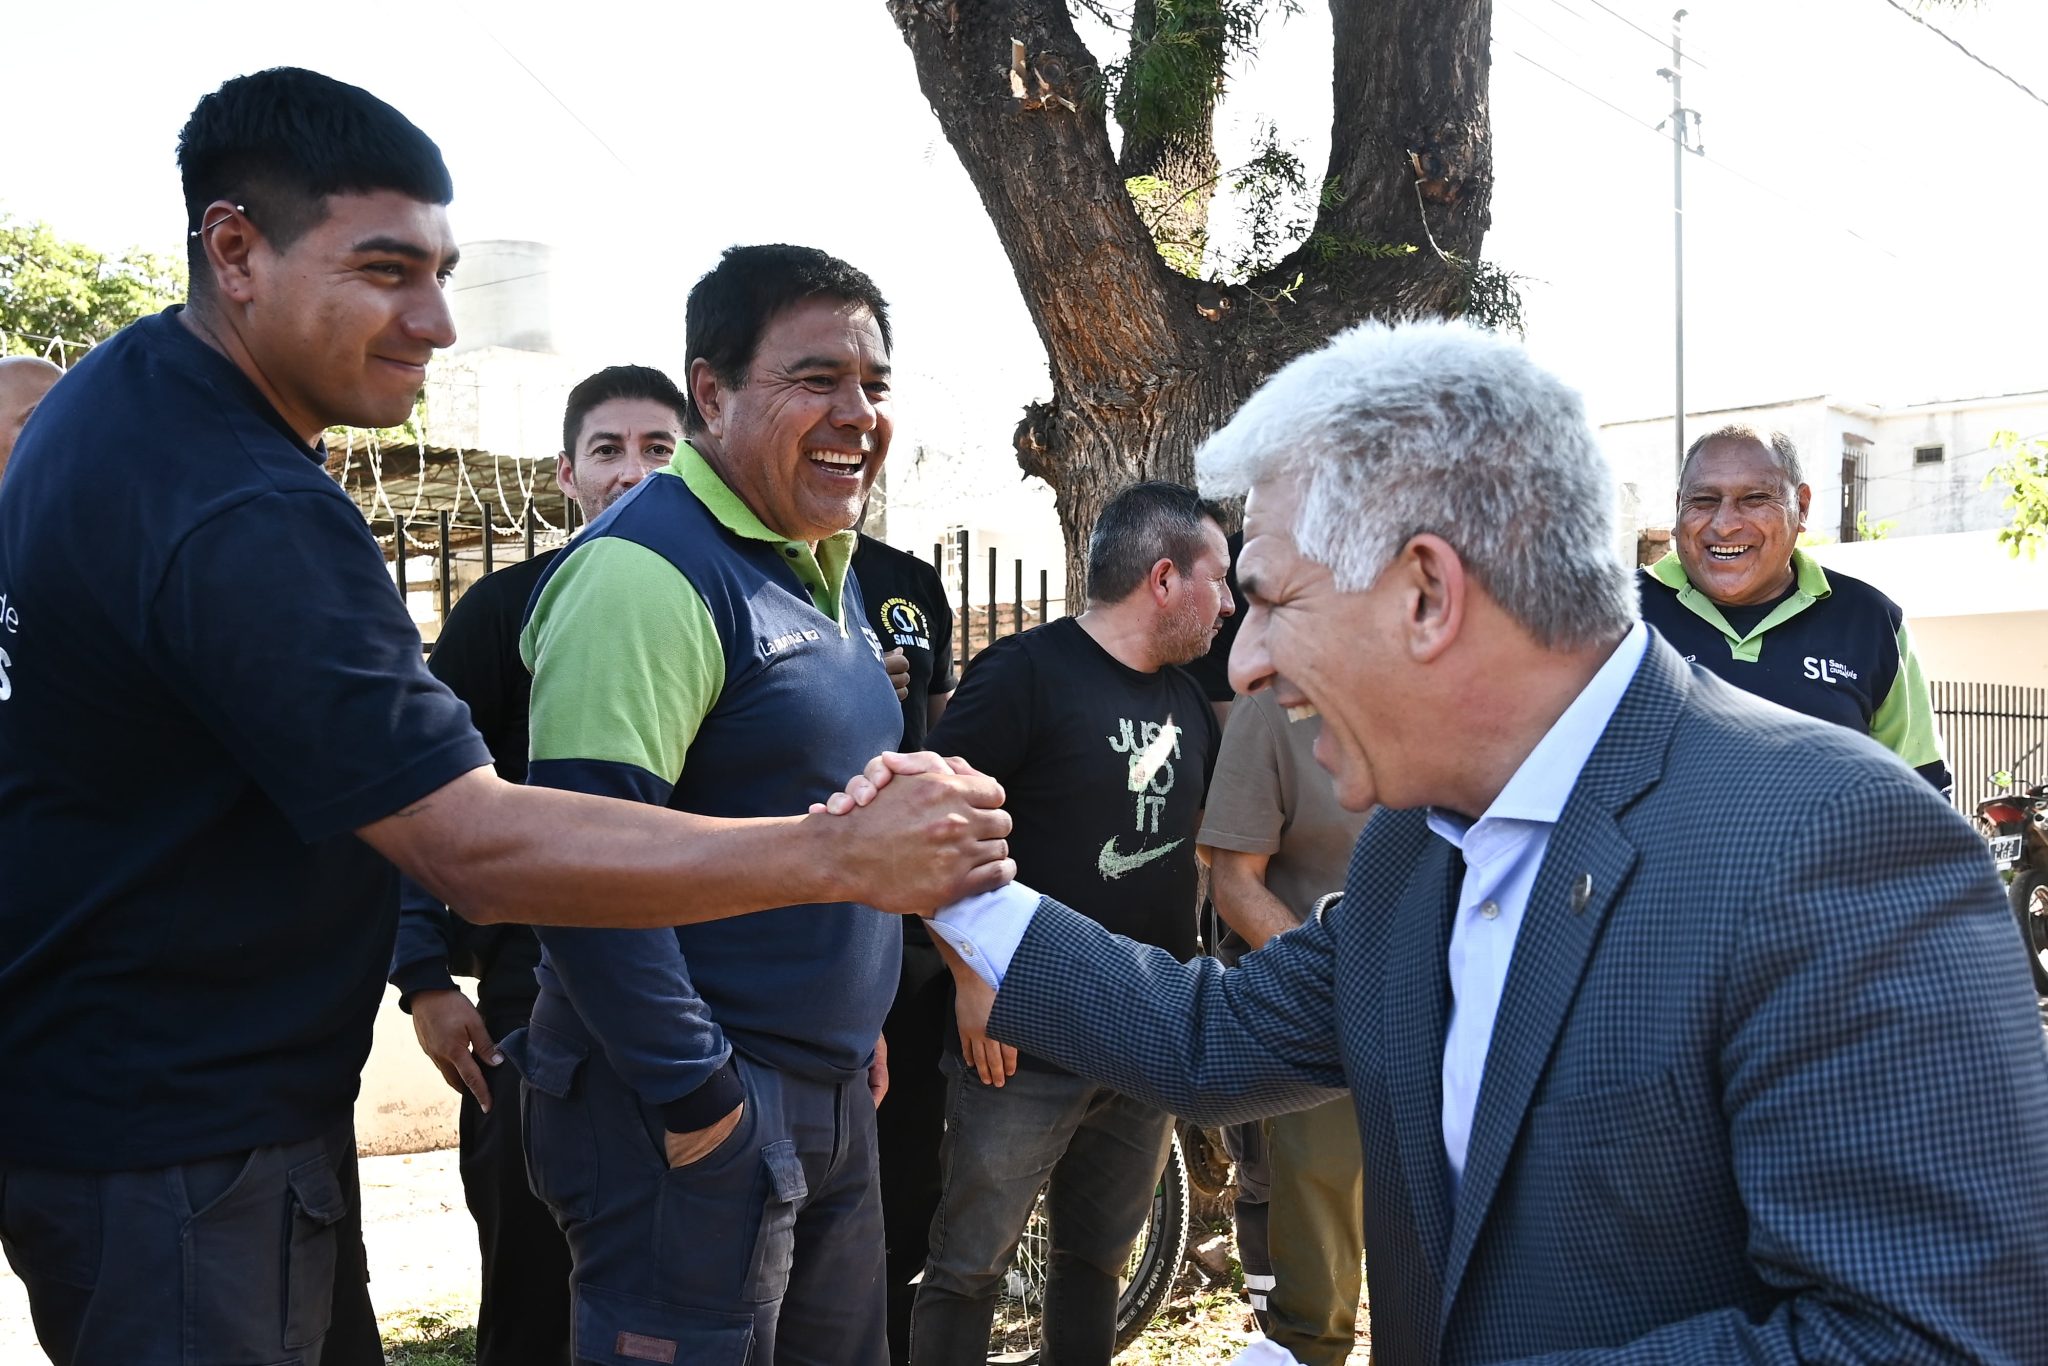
[985, 929]
[721, 1092]
[422, 974]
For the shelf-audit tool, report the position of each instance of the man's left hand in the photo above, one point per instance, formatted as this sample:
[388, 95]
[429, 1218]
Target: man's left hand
[898, 665]
[878, 1071]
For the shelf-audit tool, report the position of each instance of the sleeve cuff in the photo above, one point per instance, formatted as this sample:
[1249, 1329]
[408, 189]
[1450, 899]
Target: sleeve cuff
[985, 929]
[710, 1102]
[422, 974]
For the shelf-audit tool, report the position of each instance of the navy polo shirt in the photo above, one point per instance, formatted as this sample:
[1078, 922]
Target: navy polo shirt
[207, 681]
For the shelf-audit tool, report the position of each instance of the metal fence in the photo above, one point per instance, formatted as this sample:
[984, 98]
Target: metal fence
[457, 556]
[1991, 728]
[975, 628]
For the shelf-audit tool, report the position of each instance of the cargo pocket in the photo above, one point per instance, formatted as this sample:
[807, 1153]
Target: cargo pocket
[310, 1253]
[775, 1245]
[555, 1129]
[625, 1330]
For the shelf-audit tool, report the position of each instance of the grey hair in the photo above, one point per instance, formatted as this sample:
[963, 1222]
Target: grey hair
[1437, 427]
[1777, 443]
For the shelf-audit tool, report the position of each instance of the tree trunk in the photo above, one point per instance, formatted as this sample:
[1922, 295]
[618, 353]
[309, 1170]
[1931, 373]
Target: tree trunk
[1145, 362]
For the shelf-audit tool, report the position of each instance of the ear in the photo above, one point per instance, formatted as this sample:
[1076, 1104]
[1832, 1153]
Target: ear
[1805, 499]
[565, 474]
[1160, 579]
[708, 394]
[229, 239]
[1435, 590]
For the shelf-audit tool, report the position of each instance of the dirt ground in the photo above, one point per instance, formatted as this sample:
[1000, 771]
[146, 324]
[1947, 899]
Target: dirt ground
[422, 1249]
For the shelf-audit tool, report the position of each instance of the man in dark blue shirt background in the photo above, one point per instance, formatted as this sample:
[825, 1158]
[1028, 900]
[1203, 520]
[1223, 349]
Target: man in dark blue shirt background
[217, 728]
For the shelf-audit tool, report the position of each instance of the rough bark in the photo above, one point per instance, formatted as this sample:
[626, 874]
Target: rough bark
[1145, 362]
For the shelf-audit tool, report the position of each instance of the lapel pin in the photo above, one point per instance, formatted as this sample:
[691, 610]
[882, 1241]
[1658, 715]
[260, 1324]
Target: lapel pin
[1582, 892]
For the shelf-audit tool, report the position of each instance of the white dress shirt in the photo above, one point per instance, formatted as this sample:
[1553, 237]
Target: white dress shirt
[1502, 849]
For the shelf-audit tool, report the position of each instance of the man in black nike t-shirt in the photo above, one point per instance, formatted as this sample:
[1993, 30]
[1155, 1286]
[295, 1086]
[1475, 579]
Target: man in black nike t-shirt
[1104, 746]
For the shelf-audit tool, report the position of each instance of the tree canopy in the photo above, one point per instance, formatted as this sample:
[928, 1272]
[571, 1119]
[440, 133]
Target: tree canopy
[58, 296]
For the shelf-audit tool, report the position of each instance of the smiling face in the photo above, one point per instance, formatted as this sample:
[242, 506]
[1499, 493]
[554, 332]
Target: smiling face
[340, 325]
[802, 440]
[1739, 518]
[622, 442]
[1318, 646]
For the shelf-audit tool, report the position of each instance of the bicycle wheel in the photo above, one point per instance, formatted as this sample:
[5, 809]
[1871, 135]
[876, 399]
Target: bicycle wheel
[1147, 1279]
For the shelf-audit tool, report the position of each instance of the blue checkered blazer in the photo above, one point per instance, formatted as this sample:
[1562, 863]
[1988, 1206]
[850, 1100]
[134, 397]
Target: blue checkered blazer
[1773, 1089]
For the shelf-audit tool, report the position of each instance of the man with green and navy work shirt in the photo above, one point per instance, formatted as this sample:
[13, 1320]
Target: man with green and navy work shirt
[700, 1105]
[1737, 597]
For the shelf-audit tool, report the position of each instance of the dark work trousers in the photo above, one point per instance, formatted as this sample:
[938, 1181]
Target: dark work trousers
[1097, 1155]
[767, 1250]
[251, 1257]
[524, 1317]
[1246, 1144]
[911, 1124]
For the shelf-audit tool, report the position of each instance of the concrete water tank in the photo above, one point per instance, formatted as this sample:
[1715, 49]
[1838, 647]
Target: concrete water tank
[503, 294]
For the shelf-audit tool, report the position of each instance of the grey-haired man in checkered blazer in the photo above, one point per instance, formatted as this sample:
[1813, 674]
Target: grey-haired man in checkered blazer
[1680, 1028]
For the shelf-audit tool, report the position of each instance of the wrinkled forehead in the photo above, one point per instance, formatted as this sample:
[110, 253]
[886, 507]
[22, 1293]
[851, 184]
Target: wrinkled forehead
[1738, 465]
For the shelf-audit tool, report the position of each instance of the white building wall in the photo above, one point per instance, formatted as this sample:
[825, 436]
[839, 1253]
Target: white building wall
[1948, 496]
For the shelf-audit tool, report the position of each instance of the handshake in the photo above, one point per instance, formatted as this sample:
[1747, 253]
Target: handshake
[913, 832]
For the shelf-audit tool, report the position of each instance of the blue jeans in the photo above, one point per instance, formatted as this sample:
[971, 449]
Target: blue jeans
[1098, 1156]
[253, 1256]
[766, 1250]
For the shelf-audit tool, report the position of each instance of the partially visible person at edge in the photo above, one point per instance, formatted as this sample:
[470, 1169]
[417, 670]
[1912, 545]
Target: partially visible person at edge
[1679, 1027]
[1104, 746]
[907, 608]
[619, 425]
[1278, 845]
[700, 1102]
[1737, 596]
[23, 382]
[216, 727]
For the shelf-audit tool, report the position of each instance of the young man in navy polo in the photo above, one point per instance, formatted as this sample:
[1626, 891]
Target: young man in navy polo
[215, 728]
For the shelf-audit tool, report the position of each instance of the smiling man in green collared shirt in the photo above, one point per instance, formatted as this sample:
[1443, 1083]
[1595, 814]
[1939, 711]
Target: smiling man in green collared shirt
[701, 1106]
[1738, 597]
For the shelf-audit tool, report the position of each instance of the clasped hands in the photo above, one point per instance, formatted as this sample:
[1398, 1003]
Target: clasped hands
[938, 834]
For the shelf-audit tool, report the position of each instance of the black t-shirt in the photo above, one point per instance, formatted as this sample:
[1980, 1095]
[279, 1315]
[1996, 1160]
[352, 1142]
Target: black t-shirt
[907, 607]
[477, 656]
[210, 682]
[1106, 770]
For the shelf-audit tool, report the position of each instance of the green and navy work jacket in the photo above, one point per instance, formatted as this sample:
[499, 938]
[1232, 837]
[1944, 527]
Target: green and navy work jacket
[685, 655]
[1835, 649]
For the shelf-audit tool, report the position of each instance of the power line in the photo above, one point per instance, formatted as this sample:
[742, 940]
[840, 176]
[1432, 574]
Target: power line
[595, 136]
[1655, 132]
[2007, 77]
[1662, 42]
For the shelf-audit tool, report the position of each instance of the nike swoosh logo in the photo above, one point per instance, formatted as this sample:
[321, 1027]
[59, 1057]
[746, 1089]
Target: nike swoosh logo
[1113, 865]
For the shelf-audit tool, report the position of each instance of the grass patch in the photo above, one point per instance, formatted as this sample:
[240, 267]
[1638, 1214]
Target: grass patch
[428, 1338]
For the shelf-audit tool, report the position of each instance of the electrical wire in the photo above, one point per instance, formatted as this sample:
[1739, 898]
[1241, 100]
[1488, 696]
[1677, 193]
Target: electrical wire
[2005, 76]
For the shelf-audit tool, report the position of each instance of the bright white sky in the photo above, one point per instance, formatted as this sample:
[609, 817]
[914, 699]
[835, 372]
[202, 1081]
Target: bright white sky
[1869, 224]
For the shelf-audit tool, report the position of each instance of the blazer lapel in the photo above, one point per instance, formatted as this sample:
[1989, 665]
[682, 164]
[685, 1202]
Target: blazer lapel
[1584, 870]
[1417, 1003]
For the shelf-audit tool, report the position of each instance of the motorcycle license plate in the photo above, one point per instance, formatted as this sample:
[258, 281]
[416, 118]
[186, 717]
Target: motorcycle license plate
[2005, 850]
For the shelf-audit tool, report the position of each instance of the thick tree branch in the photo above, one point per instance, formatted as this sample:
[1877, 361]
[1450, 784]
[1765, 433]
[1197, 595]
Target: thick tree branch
[1044, 170]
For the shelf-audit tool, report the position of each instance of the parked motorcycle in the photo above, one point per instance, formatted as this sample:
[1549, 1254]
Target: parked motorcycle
[2016, 824]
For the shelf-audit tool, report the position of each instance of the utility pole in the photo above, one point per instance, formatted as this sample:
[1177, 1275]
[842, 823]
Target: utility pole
[1684, 124]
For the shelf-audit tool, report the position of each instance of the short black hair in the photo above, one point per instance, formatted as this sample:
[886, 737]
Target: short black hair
[733, 304]
[618, 381]
[1141, 526]
[282, 140]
